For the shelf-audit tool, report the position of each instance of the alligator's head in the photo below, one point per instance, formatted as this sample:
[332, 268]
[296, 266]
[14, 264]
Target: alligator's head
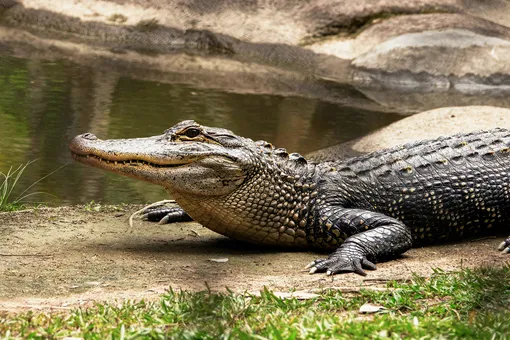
[240, 188]
[187, 158]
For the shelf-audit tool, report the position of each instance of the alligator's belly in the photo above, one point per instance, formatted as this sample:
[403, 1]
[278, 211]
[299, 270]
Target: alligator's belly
[238, 226]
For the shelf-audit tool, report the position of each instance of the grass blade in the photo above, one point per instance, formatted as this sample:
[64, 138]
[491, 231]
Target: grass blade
[10, 180]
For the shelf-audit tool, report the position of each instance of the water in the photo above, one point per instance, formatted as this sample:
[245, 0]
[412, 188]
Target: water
[44, 104]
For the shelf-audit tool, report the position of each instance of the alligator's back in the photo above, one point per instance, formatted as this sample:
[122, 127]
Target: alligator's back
[442, 189]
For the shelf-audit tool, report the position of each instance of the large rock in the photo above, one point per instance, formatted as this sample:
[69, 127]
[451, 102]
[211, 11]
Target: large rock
[457, 50]
[466, 53]
[424, 125]
[275, 21]
[430, 52]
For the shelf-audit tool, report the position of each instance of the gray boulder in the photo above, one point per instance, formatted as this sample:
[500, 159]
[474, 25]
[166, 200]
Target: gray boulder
[424, 125]
[450, 52]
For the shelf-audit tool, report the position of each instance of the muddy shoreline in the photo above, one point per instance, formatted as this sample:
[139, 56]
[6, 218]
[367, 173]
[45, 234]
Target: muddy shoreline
[70, 256]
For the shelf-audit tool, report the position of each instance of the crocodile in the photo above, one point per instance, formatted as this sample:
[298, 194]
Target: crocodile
[363, 210]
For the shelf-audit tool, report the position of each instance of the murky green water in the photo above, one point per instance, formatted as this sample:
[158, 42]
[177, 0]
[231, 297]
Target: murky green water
[44, 104]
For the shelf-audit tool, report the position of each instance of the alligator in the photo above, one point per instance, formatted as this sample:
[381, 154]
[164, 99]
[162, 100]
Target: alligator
[365, 209]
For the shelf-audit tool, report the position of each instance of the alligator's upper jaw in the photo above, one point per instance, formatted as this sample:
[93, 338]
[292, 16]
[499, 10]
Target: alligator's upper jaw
[138, 157]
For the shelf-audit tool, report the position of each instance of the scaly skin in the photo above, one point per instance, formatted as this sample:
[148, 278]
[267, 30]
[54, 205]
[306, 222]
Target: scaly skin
[367, 209]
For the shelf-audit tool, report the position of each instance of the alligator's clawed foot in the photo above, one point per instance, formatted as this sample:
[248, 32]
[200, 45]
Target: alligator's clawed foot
[161, 213]
[505, 246]
[338, 262]
[164, 215]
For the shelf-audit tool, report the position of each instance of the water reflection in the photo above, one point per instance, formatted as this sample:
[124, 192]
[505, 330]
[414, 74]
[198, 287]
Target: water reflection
[44, 104]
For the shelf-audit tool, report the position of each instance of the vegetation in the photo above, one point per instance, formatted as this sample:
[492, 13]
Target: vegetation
[472, 304]
[9, 182]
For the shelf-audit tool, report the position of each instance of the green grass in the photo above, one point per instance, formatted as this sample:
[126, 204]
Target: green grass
[472, 304]
[9, 181]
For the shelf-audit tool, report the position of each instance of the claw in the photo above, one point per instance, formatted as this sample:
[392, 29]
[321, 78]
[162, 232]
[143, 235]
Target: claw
[334, 265]
[141, 211]
[502, 245]
[164, 220]
[360, 271]
[313, 263]
[356, 265]
[506, 250]
[368, 264]
[144, 217]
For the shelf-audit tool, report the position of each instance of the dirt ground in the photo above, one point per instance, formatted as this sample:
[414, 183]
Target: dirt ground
[69, 256]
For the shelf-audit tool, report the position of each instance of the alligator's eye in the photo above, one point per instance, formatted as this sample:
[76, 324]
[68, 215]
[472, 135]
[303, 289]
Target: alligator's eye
[192, 133]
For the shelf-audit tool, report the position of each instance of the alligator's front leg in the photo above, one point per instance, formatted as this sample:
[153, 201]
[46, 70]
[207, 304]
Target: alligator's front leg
[372, 237]
[162, 213]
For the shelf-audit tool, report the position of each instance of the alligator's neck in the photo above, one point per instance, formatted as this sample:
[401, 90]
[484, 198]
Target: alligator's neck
[274, 206]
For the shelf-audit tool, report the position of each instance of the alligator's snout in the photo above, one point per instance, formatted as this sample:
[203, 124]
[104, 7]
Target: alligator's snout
[78, 144]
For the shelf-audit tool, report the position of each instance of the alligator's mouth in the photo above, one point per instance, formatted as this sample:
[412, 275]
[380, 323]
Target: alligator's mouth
[98, 160]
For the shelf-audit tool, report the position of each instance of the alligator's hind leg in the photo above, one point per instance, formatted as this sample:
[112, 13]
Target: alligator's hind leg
[372, 237]
[505, 246]
[161, 213]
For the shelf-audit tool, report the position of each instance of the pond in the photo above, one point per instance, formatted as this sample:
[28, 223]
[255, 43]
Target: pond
[43, 104]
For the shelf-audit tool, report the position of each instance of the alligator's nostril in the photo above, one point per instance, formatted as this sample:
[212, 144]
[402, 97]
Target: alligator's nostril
[89, 135]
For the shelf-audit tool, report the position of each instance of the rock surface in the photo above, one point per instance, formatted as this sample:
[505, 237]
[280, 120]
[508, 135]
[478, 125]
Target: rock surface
[418, 45]
[455, 51]
[424, 125]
